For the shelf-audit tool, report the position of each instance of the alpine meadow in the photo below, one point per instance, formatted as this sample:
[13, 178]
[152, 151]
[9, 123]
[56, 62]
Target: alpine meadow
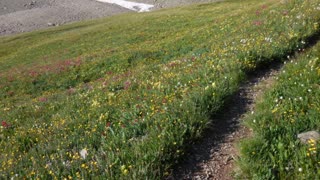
[124, 96]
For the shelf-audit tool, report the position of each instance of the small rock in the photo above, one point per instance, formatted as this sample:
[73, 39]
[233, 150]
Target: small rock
[304, 137]
[197, 177]
[228, 159]
[32, 3]
[5, 8]
[51, 24]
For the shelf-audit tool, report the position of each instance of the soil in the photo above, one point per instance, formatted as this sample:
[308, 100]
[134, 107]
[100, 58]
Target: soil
[214, 156]
[17, 16]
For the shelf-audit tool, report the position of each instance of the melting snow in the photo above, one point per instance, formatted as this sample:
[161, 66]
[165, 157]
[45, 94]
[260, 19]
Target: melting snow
[139, 7]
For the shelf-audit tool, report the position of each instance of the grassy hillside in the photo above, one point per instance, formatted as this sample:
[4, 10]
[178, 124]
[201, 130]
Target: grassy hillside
[123, 97]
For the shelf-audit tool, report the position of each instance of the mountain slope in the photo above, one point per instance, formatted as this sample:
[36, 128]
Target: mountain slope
[122, 97]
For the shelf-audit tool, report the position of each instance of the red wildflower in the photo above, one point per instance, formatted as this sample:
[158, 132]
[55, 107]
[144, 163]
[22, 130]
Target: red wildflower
[257, 23]
[264, 7]
[258, 13]
[127, 85]
[5, 124]
[71, 91]
[108, 124]
[42, 99]
[33, 73]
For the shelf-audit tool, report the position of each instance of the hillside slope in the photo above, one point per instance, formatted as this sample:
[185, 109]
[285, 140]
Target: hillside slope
[122, 97]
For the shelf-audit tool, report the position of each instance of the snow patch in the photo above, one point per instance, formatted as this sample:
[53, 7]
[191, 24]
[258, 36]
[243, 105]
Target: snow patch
[139, 7]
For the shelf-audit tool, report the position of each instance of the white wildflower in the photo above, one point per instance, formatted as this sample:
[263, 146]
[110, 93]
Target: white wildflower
[83, 153]
[268, 39]
[243, 41]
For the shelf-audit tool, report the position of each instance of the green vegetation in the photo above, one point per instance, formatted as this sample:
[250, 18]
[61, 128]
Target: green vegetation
[122, 97]
[292, 106]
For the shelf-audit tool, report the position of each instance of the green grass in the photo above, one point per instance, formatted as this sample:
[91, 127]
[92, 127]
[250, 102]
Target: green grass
[133, 90]
[290, 107]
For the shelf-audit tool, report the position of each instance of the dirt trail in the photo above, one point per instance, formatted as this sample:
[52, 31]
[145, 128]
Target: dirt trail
[214, 156]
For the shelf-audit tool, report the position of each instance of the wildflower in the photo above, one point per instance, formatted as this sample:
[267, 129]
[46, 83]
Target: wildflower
[42, 99]
[285, 13]
[127, 85]
[300, 169]
[83, 165]
[243, 41]
[5, 124]
[83, 153]
[78, 174]
[257, 23]
[268, 39]
[264, 6]
[71, 91]
[48, 164]
[95, 103]
[124, 170]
